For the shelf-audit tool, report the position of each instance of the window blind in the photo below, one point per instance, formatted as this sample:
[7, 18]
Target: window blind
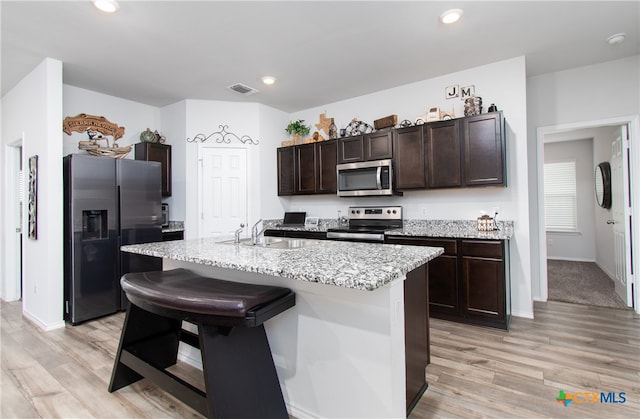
[560, 201]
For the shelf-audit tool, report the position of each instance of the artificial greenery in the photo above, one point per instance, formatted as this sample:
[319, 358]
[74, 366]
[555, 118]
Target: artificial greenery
[297, 127]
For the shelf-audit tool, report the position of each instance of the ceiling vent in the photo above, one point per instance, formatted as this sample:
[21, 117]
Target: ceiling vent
[243, 89]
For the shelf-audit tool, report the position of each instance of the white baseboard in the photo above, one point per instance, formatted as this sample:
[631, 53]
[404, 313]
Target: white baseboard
[570, 259]
[40, 324]
[611, 275]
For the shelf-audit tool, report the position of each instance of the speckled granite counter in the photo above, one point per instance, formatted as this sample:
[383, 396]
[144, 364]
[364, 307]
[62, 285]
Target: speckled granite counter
[173, 227]
[340, 351]
[360, 266]
[457, 229]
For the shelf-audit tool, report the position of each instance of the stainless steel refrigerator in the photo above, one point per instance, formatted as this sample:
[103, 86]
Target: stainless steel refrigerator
[107, 203]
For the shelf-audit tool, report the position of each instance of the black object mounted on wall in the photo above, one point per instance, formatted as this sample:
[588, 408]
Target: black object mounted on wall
[603, 184]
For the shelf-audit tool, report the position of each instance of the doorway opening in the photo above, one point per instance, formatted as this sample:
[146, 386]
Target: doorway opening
[590, 238]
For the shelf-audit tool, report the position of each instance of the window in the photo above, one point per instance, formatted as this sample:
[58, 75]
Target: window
[560, 212]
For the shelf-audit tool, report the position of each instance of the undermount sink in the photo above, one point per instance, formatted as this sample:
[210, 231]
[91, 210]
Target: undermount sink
[275, 242]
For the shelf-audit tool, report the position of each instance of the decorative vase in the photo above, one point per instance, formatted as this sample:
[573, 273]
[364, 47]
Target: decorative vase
[297, 139]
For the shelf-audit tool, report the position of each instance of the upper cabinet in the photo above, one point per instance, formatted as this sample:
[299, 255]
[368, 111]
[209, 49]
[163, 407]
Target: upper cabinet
[443, 154]
[286, 179]
[307, 168]
[374, 146]
[160, 153]
[409, 157]
[484, 149]
[457, 153]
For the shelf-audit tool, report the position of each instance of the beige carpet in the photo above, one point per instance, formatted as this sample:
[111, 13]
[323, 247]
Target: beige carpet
[582, 283]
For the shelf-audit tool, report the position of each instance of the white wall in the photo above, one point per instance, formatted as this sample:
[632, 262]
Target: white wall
[174, 122]
[502, 83]
[206, 117]
[581, 244]
[590, 93]
[133, 116]
[271, 123]
[33, 110]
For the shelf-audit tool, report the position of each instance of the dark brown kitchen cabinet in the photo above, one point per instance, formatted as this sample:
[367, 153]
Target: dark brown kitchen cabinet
[378, 145]
[327, 158]
[409, 157]
[367, 147]
[307, 169]
[172, 235]
[443, 154]
[350, 149]
[469, 282]
[485, 298]
[160, 153]
[286, 179]
[484, 149]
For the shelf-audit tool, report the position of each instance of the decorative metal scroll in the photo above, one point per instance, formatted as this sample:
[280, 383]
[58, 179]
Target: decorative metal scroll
[223, 136]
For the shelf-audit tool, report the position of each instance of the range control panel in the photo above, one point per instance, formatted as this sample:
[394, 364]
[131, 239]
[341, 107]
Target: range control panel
[375, 213]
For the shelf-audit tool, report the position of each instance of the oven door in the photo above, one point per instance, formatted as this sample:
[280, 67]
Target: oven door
[372, 178]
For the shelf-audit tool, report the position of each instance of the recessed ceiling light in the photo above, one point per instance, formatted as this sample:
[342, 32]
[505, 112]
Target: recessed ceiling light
[268, 80]
[451, 16]
[108, 6]
[616, 39]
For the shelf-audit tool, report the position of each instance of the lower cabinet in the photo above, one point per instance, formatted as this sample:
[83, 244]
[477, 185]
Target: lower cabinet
[297, 234]
[172, 235]
[469, 282]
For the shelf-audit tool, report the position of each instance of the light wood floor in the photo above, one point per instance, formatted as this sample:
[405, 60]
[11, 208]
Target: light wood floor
[475, 372]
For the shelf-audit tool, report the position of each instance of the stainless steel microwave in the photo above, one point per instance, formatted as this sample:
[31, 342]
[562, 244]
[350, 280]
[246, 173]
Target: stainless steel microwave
[367, 178]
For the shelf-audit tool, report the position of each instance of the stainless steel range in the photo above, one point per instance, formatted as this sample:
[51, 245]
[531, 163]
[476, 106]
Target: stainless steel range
[368, 224]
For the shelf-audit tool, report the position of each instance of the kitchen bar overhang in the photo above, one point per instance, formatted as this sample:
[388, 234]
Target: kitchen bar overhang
[343, 350]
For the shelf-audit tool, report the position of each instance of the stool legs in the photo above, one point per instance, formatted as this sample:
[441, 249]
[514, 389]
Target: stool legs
[240, 376]
[148, 336]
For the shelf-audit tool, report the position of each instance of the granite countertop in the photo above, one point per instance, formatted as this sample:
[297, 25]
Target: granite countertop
[460, 229]
[174, 226]
[362, 266]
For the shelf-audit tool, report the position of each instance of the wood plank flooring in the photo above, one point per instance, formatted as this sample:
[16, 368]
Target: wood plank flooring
[475, 372]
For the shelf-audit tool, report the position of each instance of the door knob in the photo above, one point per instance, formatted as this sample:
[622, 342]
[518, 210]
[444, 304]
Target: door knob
[611, 221]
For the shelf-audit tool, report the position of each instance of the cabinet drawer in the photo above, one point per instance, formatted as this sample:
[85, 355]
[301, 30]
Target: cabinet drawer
[483, 248]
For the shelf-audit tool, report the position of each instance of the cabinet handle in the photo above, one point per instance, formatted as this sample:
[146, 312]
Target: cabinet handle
[611, 221]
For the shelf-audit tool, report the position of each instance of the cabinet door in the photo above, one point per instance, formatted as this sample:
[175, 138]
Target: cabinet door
[350, 149]
[484, 150]
[408, 145]
[443, 284]
[378, 146]
[305, 169]
[160, 153]
[327, 155]
[443, 154]
[285, 171]
[483, 279]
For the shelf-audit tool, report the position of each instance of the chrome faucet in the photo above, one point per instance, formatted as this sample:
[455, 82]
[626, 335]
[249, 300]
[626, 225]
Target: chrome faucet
[254, 232]
[238, 231]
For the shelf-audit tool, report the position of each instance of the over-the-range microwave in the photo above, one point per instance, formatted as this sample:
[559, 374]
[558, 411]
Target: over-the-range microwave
[368, 178]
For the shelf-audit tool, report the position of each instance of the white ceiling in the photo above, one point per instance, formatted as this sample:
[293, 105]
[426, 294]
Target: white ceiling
[161, 52]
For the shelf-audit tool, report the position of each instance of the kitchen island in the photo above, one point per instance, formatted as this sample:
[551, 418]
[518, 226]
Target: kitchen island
[356, 342]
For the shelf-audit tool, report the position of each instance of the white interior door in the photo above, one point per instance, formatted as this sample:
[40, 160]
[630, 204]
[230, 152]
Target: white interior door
[620, 212]
[223, 194]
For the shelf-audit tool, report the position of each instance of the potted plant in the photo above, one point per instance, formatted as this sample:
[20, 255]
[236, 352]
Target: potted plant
[297, 130]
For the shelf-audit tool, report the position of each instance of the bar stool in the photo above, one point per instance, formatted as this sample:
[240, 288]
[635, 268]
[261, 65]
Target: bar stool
[239, 374]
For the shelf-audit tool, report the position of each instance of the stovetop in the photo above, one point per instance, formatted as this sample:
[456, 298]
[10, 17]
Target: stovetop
[374, 220]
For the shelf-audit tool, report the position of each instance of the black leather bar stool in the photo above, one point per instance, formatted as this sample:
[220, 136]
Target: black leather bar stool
[240, 377]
